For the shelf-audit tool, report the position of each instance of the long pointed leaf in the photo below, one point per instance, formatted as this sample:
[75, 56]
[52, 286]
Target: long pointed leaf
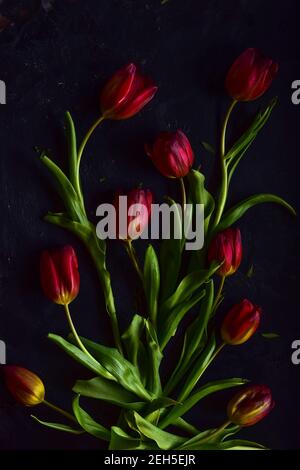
[193, 338]
[88, 423]
[66, 190]
[211, 387]
[123, 371]
[163, 439]
[80, 356]
[170, 257]
[72, 151]
[108, 391]
[151, 282]
[249, 136]
[236, 212]
[169, 324]
[58, 426]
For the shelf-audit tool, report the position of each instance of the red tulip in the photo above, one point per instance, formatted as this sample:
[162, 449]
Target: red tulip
[25, 386]
[59, 275]
[250, 405]
[126, 93]
[240, 323]
[133, 217]
[250, 75]
[226, 248]
[172, 154]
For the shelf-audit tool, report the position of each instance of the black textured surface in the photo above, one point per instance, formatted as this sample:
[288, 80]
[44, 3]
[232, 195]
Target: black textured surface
[56, 56]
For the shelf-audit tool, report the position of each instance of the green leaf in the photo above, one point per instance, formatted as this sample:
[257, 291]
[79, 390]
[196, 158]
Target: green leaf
[198, 368]
[66, 191]
[170, 321]
[155, 357]
[209, 437]
[122, 370]
[120, 440]
[143, 350]
[80, 356]
[187, 287]
[249, 136]
[193, 338]
[232, 165]
[270, 335]
[159, 404]
[84, 231]
[163, 439]
[88, 423]
[236, 212]
[199, 195]
[208, 147]
[109, 392]
[204, 391]
[58, 426]
[240, 444]
[170, 256]
[132, 340]
[151, 281]
[185, 426]
[72, 152]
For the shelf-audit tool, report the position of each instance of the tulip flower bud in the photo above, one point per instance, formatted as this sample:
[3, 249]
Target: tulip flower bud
[226, 248]
[250, 76]
[25, 386]
[250, 405]
[126, 93]
[133, 213]
[172, 154]
[59, 275]
[240, 323]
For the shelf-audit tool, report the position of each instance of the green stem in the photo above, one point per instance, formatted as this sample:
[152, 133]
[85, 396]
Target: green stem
[77, 182]
[215, 433]
[218, 296]
[183, 193]
[98, 255]
[60, 410]
[224, 176]
[87, 137]
[74, 332]
[134, 259]
[187, 390]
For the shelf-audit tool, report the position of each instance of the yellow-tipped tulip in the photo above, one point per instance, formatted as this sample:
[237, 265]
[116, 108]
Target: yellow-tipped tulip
[25, 386]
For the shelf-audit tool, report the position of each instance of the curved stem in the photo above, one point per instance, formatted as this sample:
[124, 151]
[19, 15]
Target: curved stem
[87, 137]
[60, 410]
[77, 181]
[74, 332]
[183, 193]
[134, 259]
[218, 296]
[224, 176]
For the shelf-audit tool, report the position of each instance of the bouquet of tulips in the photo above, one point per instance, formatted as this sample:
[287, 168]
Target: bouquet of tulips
[127, 375]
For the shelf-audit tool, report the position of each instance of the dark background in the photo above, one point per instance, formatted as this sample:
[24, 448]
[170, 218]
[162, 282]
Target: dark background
[56, 55]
